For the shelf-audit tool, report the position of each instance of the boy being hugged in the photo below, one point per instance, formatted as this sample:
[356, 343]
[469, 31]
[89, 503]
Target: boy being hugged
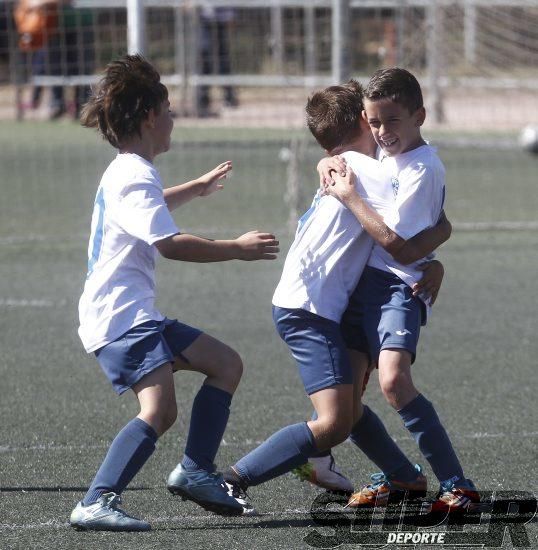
[137, 347]
[322, 268]
[383, 318]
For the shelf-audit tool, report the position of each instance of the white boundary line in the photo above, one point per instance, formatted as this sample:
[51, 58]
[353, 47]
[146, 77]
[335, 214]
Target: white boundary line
[12, 302]
[458, 226]
[4, 449]
[495, 226]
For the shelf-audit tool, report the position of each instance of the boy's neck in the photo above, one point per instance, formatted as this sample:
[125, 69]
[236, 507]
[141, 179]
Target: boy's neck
[364, 144]
[419, 142]
[138, 147]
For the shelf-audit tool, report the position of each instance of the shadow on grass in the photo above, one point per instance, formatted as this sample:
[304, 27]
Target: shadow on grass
[57, 489]
[265, 524]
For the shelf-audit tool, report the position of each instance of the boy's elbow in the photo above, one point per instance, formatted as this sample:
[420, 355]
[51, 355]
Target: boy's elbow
[166, 248]
[402, 256]
[395, 246]
[446, 231]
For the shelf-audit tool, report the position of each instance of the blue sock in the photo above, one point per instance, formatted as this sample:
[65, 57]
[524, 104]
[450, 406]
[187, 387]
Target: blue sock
[209, 416]
[284, 450]
[129, 451]
[421, 420]
[371, 437]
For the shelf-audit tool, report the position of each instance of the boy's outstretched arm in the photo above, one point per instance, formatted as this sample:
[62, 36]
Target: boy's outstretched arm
[402, 250]
[253, 245]
[200, 187]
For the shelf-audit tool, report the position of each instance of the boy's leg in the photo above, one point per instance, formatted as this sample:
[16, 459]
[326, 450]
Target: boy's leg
[129, 451]
[421, 420]
[417, 413]
[195, 478]
[318, 348]
[293, 445]
[223, 368]
[371, 437]
[135, 443]
[367, 324]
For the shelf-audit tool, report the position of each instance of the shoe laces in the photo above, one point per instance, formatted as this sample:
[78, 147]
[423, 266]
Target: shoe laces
[378, 480]
[237, 491]
[112, 502]
[218, 479]
[449, 485]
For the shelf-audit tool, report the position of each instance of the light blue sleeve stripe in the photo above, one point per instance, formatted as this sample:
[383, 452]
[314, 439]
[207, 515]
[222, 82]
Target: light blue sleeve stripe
[97, 237]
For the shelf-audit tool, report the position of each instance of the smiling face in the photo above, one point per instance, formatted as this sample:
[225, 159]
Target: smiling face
[394, 128]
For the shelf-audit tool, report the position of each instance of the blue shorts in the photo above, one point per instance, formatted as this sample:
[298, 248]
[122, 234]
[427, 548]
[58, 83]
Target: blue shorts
[382, 314]
[142, 349]
[317, 346]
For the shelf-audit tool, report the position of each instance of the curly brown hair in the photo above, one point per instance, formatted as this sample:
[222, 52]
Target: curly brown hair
[128, 90]
[333, 114]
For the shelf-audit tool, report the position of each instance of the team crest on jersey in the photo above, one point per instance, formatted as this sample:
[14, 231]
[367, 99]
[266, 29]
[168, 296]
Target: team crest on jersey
[395, 185]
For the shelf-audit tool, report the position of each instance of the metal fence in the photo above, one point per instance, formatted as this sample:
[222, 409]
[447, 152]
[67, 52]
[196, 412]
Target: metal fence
[472, 56]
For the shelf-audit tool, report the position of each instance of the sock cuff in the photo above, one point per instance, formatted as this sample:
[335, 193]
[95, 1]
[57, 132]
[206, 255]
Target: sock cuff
[145, 428]
[215, 394]
[367, 413]
[304, 438]
[418, 410]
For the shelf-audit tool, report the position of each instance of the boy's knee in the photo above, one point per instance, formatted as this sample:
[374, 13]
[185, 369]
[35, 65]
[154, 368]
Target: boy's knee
[162, 420]
[233, 366]
[397, 388]
[335, 431]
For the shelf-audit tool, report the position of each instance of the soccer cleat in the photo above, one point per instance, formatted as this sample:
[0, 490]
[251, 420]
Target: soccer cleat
[105, 515]
[322, 471]
[378, 492]
[240, 495]
[206, 489]
[456, 495]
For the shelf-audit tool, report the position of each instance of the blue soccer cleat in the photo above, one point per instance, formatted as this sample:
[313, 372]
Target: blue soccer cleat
[206, 489]
[105, 515]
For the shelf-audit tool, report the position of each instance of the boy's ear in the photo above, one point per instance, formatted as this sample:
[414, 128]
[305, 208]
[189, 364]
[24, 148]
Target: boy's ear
[420, 116]
[364, 116]
[150, 119]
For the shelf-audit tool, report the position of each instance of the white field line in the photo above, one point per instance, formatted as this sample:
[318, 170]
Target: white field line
[31, 303]
[4, 449]
[496, 226]
[458, 226]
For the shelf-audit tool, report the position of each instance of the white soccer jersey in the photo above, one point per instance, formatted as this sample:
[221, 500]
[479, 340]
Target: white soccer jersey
[418, 178]
[330, 249]
[129, 216]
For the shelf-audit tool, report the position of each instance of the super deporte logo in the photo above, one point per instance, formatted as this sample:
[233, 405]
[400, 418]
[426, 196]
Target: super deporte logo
[411, 522]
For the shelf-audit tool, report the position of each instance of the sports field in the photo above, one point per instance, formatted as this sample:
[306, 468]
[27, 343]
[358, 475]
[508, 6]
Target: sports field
[477, 359]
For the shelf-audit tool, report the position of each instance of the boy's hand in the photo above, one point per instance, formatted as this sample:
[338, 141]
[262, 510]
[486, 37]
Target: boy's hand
[209, 183]
[326, 166]
[431, 281]
[343, 187]
[255, 245]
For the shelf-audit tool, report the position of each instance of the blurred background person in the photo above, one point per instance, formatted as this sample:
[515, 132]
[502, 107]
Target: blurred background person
[71, 53]
[215, 28]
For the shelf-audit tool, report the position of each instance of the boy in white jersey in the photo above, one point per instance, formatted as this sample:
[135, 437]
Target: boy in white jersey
[137, 347]
[321, 270]
[383, 318]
